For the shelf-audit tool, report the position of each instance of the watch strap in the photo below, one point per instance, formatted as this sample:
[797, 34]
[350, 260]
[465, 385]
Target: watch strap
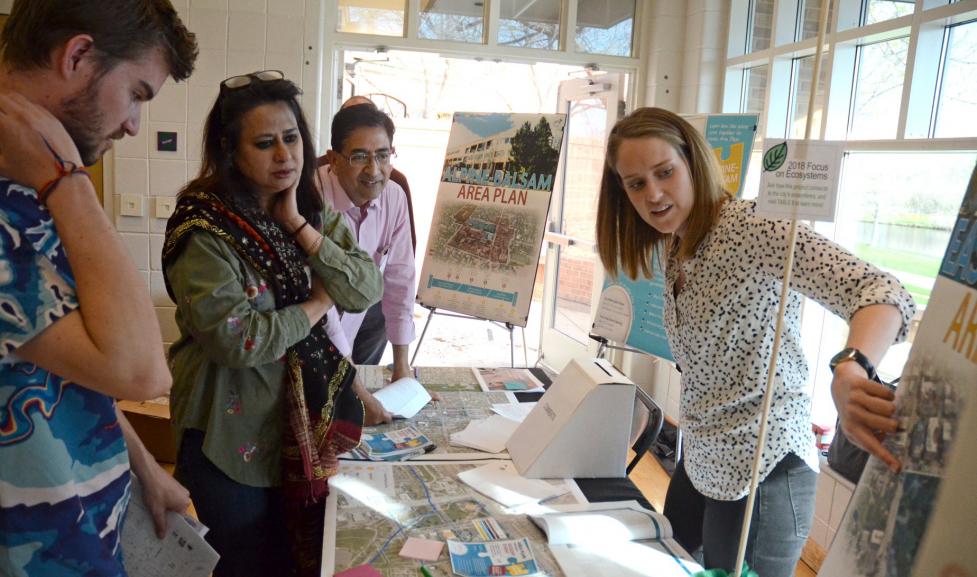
[853, 354]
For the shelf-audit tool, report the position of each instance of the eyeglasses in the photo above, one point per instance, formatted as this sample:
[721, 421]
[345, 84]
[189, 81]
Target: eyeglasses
[242, 80]
[361, 159]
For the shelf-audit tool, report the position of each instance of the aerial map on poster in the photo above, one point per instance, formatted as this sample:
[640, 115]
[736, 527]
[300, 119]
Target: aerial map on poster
[374, 507]
[889, 513]
[490, 214]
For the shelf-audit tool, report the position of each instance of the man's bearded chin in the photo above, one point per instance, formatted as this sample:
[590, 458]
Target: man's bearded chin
[83, 121]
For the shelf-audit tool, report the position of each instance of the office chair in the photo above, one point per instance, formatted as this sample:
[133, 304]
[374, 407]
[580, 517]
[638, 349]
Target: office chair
[655, 421]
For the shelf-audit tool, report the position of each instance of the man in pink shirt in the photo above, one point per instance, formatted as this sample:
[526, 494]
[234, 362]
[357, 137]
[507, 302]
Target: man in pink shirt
[356, 183]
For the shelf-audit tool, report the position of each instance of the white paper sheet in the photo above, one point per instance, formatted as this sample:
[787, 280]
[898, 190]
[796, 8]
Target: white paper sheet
[403, 397]
[625, 559]
[489, 435]
[516, 412]
[502, 483]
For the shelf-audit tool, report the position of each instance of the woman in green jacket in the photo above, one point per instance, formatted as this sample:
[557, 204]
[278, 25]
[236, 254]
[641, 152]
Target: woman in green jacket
[262, 403]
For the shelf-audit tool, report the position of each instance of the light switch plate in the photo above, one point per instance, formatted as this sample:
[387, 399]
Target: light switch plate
[131, 205]
[164, 206]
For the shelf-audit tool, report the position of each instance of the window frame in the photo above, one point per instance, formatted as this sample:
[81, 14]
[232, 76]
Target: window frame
[927, 28]
[321, 101]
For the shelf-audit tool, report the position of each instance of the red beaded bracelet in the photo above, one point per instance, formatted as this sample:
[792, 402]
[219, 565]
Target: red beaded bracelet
[65, 169]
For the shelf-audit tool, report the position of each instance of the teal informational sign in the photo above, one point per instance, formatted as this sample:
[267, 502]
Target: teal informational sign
[631, 312]
[731, 137]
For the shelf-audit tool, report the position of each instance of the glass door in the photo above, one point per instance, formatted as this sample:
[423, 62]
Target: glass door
[573, 272]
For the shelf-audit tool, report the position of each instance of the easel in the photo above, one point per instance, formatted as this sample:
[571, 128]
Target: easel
[507, 326]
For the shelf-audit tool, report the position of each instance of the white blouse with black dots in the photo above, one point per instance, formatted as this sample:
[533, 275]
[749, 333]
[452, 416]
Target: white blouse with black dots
[721, 331]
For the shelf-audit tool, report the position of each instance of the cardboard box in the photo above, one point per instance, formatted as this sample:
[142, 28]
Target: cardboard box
[151, 420]
[580, 427]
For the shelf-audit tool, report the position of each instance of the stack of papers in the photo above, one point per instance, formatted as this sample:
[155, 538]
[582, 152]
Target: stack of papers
[614, 540]
[503, 483]
[183, 552]
[403, 397]
[489, 435]
[393, 445]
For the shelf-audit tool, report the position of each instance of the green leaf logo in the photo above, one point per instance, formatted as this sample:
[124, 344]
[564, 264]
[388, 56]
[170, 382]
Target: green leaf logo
[775, 157]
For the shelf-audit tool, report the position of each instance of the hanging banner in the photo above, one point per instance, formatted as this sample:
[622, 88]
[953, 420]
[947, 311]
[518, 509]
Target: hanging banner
[889, 513]
[490, 214]
[634, 309]
[731, 137]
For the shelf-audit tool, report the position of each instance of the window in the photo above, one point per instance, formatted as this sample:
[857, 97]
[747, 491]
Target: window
[754, 88]
[598, 27]
[809, 14]
[801, 79]
[899, 91]
[760, 25]
[957, 106]
[605, 26]
[530, 24]
[882, 10]
[459, 20]
[383, 17]
[878, 89]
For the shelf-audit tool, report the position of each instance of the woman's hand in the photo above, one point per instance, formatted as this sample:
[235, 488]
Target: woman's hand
[865, 410]
[24, 128]
[285, 211]
[375, 413]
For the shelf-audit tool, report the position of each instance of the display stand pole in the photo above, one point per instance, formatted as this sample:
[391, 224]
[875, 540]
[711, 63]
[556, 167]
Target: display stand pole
[603, 344]
[507, 326]
[784, 292]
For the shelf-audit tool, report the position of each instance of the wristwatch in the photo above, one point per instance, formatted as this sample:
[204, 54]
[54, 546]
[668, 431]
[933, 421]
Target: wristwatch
[853, 354]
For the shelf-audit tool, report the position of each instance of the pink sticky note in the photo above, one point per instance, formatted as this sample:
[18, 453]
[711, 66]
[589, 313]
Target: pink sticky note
[361, 571]
[423, 549]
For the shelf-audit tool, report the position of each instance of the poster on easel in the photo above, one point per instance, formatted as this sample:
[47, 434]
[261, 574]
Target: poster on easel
[889, 513]
[490, 214]
[631, 312]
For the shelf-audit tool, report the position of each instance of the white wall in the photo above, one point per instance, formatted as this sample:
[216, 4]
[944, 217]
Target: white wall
[685, 55]
[5, 6]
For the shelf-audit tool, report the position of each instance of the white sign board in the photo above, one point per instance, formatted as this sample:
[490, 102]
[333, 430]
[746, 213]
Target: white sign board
[614, 314]
[800, 179]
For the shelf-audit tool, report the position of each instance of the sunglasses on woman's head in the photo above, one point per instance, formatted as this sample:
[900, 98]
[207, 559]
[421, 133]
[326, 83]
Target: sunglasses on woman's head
[242, 80]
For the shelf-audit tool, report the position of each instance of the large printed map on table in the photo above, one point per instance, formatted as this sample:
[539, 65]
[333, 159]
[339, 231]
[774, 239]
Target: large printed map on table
[438, 419]
[433, 378]
[373, 507]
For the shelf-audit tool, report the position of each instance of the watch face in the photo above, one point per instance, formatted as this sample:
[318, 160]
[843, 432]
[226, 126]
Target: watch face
[852, 354]
[843, 355]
